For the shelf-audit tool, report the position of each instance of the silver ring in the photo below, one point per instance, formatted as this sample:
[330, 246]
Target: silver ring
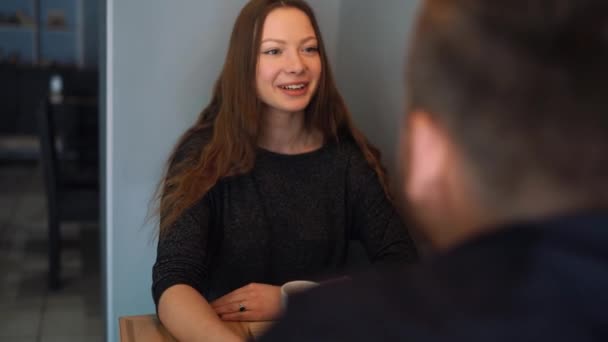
[242, 307]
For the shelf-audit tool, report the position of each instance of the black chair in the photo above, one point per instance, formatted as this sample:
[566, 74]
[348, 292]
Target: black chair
[70, 196]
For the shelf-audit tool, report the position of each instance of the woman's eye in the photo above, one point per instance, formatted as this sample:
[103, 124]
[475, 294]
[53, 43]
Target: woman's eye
[272, 52]
[312, 49]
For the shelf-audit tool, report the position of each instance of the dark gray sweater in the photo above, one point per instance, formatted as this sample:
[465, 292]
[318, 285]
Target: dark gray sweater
[291, 217]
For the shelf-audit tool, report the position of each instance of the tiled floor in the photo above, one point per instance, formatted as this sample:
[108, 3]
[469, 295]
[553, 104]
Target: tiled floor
[28, 311]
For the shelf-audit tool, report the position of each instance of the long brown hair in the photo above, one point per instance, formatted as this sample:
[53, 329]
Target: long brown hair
[222, 142]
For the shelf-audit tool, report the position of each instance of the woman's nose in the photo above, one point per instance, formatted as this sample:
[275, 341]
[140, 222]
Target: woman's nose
[295, 64]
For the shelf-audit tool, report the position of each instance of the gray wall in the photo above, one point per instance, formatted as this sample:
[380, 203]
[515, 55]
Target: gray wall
[371, 54]
[160, 61]
[328, 16]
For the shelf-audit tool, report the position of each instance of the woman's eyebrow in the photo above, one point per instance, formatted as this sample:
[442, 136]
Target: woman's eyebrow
[284, 42]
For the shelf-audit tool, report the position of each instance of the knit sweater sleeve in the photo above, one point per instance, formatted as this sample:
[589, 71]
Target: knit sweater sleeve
[182, 253]
[375, 221]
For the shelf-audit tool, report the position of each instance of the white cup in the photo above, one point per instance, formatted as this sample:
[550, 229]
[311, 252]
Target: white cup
[293, 287]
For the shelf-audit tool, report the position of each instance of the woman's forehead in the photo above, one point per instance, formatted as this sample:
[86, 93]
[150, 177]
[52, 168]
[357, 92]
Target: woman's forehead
[287, 24]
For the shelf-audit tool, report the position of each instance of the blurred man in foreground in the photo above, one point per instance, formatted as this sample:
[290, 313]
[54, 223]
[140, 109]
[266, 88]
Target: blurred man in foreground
[505, 166]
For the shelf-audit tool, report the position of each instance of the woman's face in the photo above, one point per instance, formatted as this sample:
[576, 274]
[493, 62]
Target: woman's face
[289, 65]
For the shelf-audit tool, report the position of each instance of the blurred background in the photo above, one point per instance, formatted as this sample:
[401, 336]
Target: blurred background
[93, 95]
[49, 171]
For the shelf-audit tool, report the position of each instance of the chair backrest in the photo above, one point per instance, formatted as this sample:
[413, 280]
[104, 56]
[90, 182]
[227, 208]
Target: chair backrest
[48, 153]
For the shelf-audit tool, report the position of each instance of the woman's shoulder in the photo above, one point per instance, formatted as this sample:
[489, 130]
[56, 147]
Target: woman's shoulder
[348, 149]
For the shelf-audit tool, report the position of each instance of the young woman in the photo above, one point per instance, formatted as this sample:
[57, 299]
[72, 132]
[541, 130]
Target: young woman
[270, 183]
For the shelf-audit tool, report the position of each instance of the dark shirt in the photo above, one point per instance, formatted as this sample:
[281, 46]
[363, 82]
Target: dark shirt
[290, 218]
[544, 281]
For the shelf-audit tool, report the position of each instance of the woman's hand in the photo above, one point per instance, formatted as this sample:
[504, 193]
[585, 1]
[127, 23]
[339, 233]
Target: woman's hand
[253, 302]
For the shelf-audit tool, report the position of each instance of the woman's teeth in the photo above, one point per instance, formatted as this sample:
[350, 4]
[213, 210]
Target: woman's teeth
[293, 87]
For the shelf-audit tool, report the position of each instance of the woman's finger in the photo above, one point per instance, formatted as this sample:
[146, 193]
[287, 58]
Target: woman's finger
[233, 296]
[228, 299]
[240, 316]
[225, 299]
[231, 308]
[225, 309]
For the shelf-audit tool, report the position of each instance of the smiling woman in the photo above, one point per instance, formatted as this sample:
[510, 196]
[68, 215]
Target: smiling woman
[269, 185]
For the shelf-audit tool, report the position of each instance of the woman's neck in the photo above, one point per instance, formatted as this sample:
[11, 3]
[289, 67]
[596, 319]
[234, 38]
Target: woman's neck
[285, 133]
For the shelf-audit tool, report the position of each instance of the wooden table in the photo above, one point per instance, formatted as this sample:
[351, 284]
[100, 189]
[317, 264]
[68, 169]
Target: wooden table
[149, 329]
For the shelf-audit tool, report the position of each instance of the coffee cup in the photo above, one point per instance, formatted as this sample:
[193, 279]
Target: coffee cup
[293, 287]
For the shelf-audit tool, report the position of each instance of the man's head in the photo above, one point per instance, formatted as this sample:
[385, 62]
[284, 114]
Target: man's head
[507, 112]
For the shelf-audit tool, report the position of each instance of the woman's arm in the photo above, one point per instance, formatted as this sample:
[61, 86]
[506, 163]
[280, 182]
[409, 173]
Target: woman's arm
[189, 317]
[180, 276]
[375, 221]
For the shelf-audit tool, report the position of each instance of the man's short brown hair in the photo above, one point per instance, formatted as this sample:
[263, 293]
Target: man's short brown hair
[522, 88]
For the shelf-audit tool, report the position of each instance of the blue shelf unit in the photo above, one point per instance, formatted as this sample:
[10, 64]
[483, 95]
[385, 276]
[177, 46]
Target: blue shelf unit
[63, 45]
[73, 44]
[18, 41]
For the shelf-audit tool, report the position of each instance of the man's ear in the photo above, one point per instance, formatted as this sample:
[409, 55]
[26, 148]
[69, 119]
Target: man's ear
[426, 157]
